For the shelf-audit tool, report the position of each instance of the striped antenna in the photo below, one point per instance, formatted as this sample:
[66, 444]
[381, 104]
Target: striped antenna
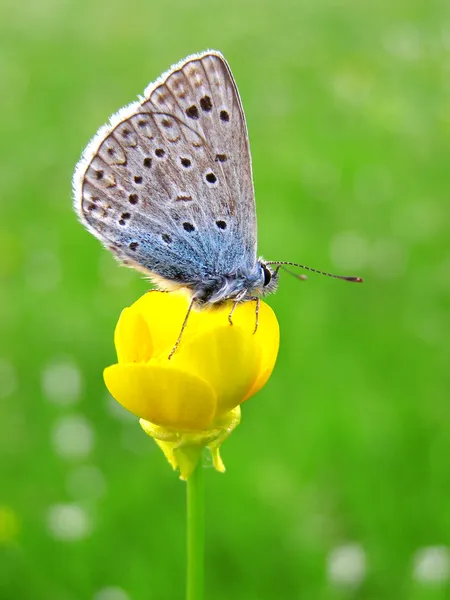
[279, 264]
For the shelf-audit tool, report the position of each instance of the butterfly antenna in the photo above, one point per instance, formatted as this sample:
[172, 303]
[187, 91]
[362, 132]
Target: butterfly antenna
[300, 277]
[280, 264]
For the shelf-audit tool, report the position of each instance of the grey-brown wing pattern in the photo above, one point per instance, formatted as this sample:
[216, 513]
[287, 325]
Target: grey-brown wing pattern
[168, 185]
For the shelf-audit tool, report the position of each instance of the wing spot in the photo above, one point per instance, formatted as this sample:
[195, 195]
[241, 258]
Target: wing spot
[186, 163]
[137, 179]
[92, 207]
[111, 151]
[122, 222]
[147, 162]
[125, 133]
[125, 216]
[221, 158]
[159, 152]
[133, 199]
[210, 178]
[166, 238]
[192, 112]
[188, 227]
[183, 198]
[206, 103]
[133, 246]
[142, 123]
[224, 116]
[167, 123]
[99, 174]
[221, 224]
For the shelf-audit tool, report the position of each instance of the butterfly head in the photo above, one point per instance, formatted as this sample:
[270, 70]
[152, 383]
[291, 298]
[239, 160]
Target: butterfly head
[269, 279]
[260, 280]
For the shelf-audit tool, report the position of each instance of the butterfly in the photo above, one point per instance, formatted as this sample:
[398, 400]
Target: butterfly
[167, 186]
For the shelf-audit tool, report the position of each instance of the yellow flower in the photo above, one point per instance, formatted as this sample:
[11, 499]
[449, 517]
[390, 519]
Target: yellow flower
[192, 400]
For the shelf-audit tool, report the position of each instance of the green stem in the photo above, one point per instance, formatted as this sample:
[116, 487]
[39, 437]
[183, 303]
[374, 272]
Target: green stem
[195, 534]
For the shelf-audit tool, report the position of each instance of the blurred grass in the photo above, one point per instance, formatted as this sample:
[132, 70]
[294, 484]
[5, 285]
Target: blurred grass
[348, 112]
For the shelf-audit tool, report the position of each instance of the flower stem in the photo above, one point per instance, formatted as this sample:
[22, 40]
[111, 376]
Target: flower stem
[195, 533]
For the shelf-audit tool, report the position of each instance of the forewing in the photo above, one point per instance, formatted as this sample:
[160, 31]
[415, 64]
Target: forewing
[167, 186]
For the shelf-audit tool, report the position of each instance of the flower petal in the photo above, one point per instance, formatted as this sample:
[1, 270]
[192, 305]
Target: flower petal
[183, 449]
[163, 395]
[164, 314]
[187, 458]
[269, 338]
[227, 357]
[167, 448]
[132, 337]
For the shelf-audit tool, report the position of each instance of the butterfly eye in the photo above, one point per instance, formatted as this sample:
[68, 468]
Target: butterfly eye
[267, 275]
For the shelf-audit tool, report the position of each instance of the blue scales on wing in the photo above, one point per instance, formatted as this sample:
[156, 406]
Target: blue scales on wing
[167, 185]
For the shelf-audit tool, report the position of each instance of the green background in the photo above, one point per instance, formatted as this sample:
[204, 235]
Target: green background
[338, 478]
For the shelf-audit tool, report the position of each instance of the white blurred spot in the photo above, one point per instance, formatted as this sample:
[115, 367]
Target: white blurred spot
[111, 593]
[86, 483]
[61, 382]
[432, 564]
[346, 565]
[43, 270]
[349, 250]
[404, 42]
[117, 411]
[68, 522]
[373, 184]
[388, 259]
[73, 437]
[8, 378]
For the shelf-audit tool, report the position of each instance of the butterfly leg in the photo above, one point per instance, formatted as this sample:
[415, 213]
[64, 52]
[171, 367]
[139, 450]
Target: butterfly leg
[257, 305]
[238, 298]
[183, 327]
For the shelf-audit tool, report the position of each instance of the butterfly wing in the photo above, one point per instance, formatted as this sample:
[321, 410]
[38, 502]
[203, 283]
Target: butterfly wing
[167, 185]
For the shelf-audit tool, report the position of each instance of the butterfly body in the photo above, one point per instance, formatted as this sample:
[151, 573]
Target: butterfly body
[167, 185]
[214, 288]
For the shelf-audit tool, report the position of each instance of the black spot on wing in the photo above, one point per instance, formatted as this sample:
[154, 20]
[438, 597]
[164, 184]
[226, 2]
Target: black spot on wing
[206, 104]
[192, 112]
